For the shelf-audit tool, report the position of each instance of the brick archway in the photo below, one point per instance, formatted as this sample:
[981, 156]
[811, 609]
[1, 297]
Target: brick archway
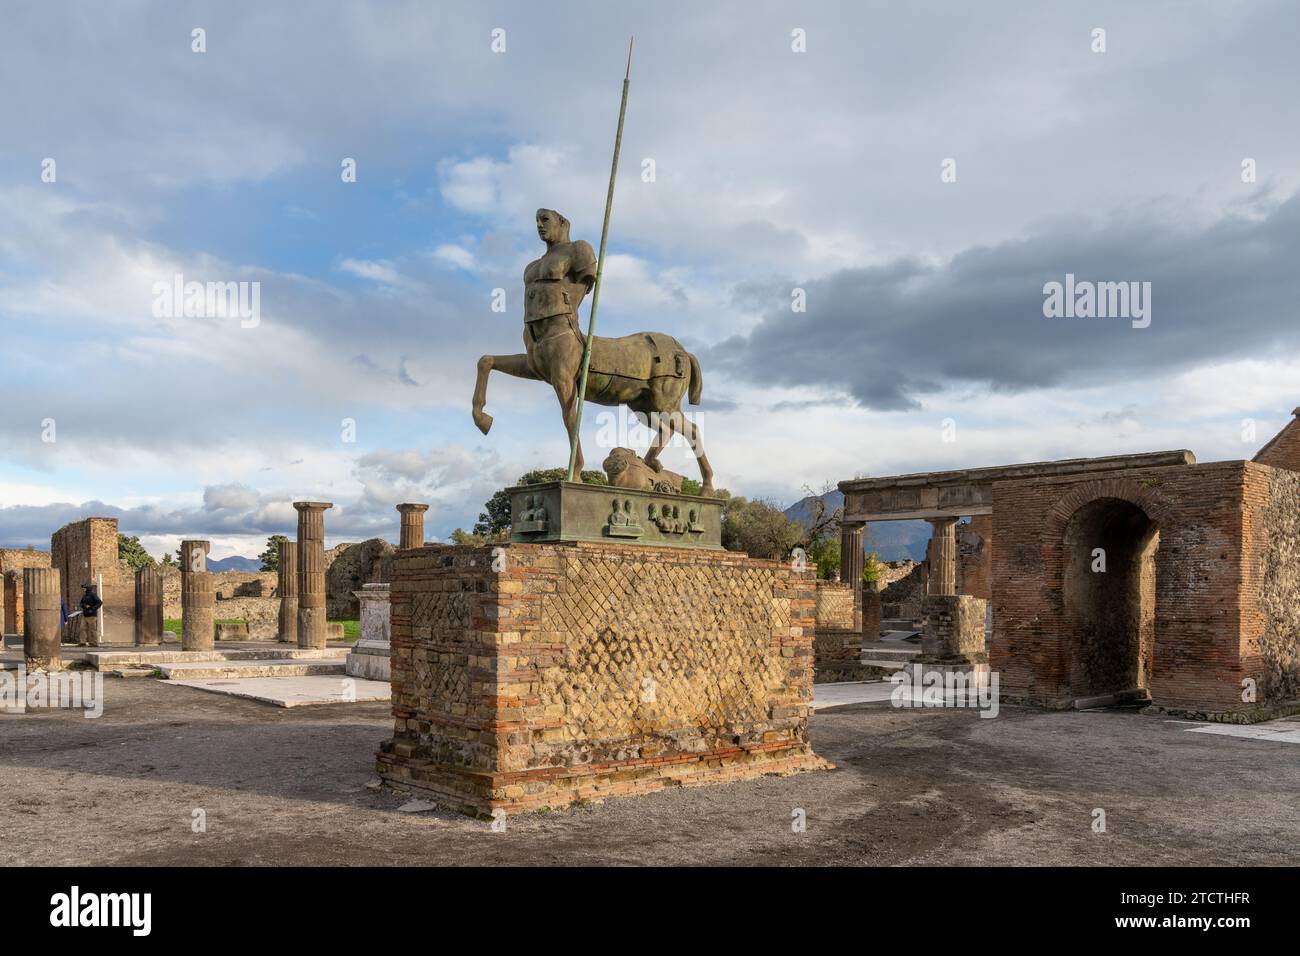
[1108, 606]
[1125, 489]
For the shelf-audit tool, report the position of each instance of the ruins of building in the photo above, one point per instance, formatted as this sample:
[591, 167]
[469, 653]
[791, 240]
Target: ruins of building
[1129, 577]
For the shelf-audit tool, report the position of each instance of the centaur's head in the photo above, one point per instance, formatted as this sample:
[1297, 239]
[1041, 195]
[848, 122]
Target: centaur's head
[552, 227]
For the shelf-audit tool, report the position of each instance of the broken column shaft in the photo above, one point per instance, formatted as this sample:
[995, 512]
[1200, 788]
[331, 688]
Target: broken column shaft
[311, 573]
[41, 619]
[288, 585]
[148, 606]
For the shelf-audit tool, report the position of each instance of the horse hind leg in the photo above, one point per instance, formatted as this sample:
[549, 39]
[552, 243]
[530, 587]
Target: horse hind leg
[664, 426]
[692, 433]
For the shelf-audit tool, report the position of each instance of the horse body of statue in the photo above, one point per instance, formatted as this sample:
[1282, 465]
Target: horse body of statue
[649, 372]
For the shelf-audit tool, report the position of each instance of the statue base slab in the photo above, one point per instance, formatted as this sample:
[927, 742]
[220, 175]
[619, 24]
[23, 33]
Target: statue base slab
[572, 511]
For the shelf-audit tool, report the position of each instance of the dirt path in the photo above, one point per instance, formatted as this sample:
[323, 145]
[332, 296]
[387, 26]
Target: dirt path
[938, 787]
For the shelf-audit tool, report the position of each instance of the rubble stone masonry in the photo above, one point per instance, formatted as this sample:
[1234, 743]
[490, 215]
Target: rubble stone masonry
[536, 675]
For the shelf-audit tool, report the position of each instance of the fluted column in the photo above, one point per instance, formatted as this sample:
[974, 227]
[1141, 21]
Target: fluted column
[148, 605]
[198, 598]
[311, 572]
[288, 585]
[194, 556]
[41, 593]
[851, 566]
[412, 526]
[942, 555]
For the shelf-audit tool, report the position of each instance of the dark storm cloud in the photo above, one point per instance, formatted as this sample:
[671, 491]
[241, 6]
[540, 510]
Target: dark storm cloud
[888, 334]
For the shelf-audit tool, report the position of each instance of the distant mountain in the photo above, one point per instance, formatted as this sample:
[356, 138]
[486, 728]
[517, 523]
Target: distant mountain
[892, 540]
[236, 562]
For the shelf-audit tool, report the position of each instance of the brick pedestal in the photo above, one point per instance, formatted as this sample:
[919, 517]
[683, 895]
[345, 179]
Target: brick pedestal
[954, 629]
[536, 675]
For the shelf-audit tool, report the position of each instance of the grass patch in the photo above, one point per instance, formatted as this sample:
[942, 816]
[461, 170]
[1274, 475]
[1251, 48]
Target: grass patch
[351, 628]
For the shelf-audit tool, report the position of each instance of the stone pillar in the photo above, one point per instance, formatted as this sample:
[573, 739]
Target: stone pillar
[851, 567]
[198, 598]
[412, 526]
[311, 573]
[148, 606]
[41, 619]
[288, 585]
[942, 556]
[370, 658]
[194, 556]
[13, 622]
[871, 611]
[954, 630]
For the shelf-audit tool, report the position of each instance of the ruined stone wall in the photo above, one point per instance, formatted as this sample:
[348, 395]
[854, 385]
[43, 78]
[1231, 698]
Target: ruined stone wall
[12, 562]
[1197, 662]
[903, 590]
[592, 670]
[837, 648]
[84, 550]
[348, 567]
[255, 585]
[834, 605]
[1270, 625]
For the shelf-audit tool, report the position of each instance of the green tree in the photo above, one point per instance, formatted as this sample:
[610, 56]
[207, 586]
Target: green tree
[494, 521]
[825, 553]
[168, 561]
[463, 537]
[872, 566]
[759, 528]
[270, 558]
[130, 550]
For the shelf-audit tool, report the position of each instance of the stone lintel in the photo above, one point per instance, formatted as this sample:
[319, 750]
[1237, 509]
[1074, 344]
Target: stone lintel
[969, 491]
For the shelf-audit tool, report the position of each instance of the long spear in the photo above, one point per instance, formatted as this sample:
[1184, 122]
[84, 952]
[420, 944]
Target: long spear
[600, 266]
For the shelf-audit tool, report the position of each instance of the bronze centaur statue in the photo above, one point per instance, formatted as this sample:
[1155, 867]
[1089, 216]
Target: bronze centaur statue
[649, 372]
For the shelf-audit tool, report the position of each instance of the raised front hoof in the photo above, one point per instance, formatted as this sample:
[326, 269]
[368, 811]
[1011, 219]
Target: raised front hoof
[483, 421]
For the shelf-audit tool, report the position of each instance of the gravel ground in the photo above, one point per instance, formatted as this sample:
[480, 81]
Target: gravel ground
[913, 786]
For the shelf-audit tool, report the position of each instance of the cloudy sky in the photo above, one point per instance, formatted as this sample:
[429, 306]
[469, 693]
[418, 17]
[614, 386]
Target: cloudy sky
[775, 170]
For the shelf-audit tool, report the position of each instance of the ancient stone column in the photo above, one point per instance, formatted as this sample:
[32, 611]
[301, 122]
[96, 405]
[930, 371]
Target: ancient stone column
[871, 611]
[194, 556]
[942, 555]
[148, 605]
[851, 561]
[41, 618]
[288, 585]
[851, 553]
[311, 572]
[412, 526]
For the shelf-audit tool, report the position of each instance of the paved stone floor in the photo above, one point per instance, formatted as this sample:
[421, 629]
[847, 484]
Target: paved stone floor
[942, 787]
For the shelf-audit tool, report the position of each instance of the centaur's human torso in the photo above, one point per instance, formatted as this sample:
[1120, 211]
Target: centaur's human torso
[554, 287]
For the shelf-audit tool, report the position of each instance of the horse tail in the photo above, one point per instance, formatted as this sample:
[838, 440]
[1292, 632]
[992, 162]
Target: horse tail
[697, 381]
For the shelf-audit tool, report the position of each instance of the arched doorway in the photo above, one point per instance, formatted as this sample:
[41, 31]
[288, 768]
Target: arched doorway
[1110, 599]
